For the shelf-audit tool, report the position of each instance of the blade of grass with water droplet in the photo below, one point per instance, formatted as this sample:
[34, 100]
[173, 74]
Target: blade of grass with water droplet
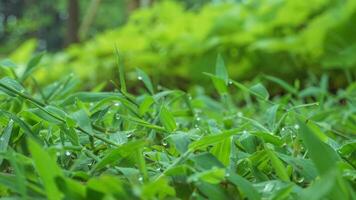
[146, 80]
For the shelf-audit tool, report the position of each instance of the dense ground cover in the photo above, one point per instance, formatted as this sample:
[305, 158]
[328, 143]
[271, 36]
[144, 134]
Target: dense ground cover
[161, 143]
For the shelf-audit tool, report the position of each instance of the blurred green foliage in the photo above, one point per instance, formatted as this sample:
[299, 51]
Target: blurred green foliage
[47, 21]
[282, 38]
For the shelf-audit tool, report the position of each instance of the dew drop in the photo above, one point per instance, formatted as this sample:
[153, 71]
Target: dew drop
[139, 78]
[198, 119]
[117, 104]
[164, 143]
[128, 135]
[67, 153]
[227, 174]
[296, 126]
[158, 169]
[244, 132]
[300, 180]
[140, 178]
[268, 187]
[283, 129]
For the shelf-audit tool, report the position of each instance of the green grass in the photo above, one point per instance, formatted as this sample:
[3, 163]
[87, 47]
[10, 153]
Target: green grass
[243, 143]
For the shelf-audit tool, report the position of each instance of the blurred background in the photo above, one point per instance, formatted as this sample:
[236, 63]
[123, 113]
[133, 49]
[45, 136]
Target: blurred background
[175, 41]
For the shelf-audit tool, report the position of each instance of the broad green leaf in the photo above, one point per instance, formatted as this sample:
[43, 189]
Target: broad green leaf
[83, 120]
[222, 151]
[146, 104]
[9, 181]
[167, 119]
[212, 176]
[47, 169]
[11, 86]
[271, 116]
[120, 152]
[219, 83]
[18, 167]
[71, 134]
[268, 137]
[283, 193]
[348, 148]
[257, 90]
[206, 161]
[243, 185]
[70, 188]
[178, 170]
[110, 186]
[260, 91]
[316, 148]
[7, 63]
[31, 66]
[212, 139]
[278, 166]
[213, 192]
[180, 140]
[303, 166]
[28, 131]
[330, 185]
[45, 115]
[160, 189]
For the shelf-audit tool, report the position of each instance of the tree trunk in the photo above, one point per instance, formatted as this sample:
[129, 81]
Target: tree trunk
[73, 22]
[132, 5]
